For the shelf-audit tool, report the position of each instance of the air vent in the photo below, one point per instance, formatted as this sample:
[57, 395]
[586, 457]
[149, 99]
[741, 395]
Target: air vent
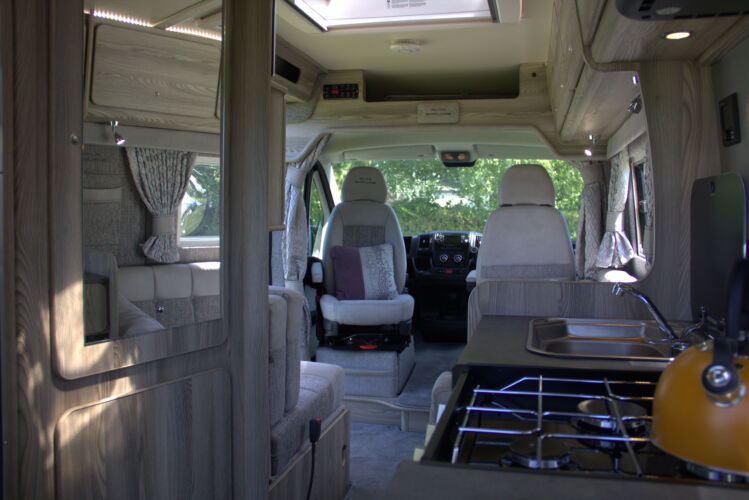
[286, 70]
[659, 10]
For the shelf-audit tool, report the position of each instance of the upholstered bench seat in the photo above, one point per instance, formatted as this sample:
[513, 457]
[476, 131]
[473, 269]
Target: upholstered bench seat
[320, 394]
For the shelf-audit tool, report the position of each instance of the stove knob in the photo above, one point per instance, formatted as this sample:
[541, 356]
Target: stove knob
[444, 257]
[458, 258]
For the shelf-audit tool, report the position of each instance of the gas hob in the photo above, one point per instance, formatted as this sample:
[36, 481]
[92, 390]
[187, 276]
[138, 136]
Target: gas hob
[564, 425]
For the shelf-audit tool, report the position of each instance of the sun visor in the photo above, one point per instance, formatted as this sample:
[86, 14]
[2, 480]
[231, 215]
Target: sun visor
[420, 152]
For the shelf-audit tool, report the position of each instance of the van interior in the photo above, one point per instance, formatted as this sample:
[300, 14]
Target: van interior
[374, 249]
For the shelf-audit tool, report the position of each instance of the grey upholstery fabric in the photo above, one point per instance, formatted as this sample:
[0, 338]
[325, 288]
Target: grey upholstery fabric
[319, 397]
[116, 226]
[206, 308]
[372, 373]
[363, 236]
[367, 312]
[294, 243]
[173, 294]
[526, 185]
[616, 249]
[161, 178]
[277, 312]
[199, 254]
[441, 391]
[133, 321]
[363, 214]
[295, 322]
[525, 241]
[589, 229]
[276, 259]
[364, 184]
[174, 312]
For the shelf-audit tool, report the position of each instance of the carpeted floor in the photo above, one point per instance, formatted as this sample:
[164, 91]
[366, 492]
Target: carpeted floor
[376, 451]
[432, 358]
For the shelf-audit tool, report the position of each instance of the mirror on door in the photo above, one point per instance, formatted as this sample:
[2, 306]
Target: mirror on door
[152, 174]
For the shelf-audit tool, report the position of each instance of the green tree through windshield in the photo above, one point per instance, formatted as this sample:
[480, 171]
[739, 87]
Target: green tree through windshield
[427, 196]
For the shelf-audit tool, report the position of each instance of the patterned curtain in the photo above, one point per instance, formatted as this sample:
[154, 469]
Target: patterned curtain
[589, 230]
[615, 249]
[294, 243]
[161, 178]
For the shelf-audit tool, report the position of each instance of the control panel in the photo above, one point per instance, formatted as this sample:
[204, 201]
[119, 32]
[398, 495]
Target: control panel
[340, 91]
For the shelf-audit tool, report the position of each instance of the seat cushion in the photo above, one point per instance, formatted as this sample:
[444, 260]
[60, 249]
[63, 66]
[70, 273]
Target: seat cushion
[320, 395]
[364, 273]
[367, 312]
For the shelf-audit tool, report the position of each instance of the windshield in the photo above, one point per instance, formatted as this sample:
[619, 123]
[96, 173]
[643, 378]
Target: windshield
[427, 196]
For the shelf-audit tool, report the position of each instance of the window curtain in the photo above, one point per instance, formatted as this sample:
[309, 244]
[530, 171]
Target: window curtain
[616, 249]
[589, 229]
[294, 242]
[161, 177]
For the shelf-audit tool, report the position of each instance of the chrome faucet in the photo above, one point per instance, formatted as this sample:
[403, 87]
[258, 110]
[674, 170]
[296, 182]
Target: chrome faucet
[621, 288]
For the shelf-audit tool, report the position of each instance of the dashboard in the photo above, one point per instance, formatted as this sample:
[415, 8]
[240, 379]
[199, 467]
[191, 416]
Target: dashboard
[438, 264]
[445, 253]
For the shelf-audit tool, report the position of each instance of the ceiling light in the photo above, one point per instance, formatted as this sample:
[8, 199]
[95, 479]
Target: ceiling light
[677, 35]
[195, 32]
[114, 16]
[635, 79]
[588, 152]
[405, 46]
[118, 139]
[668, 11]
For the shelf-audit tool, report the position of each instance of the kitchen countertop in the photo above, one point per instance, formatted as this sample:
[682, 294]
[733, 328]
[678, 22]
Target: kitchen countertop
[415, 480]
[499, 342]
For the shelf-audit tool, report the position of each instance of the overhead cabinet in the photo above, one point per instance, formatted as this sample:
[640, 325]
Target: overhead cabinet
[141, 77]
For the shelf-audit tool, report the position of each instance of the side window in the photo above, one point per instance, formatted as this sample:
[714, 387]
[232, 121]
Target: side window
[641, 206]
[318, 209]
[200, 213]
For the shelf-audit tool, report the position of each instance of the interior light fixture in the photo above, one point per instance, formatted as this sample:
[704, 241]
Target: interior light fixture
[405, 46]
[195, 32]
[118, 139]
[114, 16]
[588, 152]
[677, 35]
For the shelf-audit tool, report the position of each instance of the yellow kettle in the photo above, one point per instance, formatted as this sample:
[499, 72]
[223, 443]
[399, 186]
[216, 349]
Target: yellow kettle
[700, 407]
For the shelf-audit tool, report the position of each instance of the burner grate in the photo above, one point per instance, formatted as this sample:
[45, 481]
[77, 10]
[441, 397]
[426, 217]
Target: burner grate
[539, 411]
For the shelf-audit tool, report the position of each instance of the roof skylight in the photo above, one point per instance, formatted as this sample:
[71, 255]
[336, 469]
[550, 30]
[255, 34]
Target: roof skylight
[350, 13]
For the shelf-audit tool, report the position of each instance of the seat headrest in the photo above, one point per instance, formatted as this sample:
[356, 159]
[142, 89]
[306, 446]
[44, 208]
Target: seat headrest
[526, 185]
[364, 183]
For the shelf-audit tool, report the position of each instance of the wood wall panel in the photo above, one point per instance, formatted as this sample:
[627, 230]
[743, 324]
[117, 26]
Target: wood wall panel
[157, 73]
[622, 39]
[599, 105]
[41, 40]
[331, 466]
[531, 108]
[682, 123]
[565, 60]
[170, 441]
[569, 299]
[310, 71]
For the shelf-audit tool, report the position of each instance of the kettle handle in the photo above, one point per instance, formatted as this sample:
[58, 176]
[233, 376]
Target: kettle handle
[720, 378]
[737, 317]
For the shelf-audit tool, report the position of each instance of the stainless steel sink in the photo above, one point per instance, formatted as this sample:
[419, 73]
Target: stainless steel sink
[594, 338]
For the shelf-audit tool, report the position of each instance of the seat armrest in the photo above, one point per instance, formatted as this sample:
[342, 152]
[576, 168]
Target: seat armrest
[316, 273]
[470, 281]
